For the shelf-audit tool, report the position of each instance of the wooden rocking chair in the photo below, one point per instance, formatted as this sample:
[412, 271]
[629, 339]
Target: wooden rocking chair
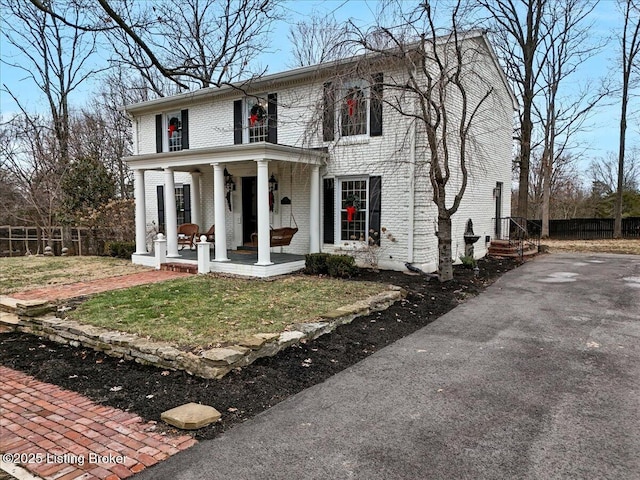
[187, 235]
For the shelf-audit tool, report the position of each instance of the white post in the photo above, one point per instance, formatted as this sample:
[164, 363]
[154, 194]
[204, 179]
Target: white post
[264, 235]
[161, 250]
[204, 255]
[170, 213]
[141, 213]
[314, 212]
[195, 198]
[219, 213]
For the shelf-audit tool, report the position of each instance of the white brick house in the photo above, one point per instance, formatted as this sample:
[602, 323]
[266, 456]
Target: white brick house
[290, 149]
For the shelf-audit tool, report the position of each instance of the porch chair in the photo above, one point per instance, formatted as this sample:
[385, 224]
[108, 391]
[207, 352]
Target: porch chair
[187, 235]
[210, 234]
[279, 237]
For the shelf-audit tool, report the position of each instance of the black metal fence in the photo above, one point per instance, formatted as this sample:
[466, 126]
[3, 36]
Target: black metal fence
[590, 228]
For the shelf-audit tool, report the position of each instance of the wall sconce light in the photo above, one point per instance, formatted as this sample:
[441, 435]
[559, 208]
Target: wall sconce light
[273, 183]
[228, 180]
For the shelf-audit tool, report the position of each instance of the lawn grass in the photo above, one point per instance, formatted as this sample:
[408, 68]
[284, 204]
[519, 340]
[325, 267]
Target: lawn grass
[26, 273]
[205, 310]
[625, 246]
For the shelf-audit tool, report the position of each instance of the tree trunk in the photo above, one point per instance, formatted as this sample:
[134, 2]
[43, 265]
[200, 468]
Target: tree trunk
[445, 263]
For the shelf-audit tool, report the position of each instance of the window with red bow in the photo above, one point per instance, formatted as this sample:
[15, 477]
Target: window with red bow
[354, 110]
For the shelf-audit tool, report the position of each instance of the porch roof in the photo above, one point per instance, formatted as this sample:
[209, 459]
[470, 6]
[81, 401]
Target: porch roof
[186, 159]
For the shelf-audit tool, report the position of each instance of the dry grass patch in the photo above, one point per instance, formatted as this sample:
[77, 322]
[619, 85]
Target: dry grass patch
[27, 273]
[205, 310]
[626, 246]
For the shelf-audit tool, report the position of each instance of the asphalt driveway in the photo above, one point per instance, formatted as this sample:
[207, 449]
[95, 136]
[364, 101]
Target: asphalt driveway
[537, 378]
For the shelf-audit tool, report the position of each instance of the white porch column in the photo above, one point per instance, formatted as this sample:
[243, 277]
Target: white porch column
[170, 214]
[141, 212]
[264, 236]
[219, 213]
[195, 198]
[314, 212]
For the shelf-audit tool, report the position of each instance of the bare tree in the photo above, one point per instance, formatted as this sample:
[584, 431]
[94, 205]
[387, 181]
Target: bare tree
[318, 39]
[519, 31]
[53, 56]
[629, 48]
[562, 114]
[196, 43]
[438, 71]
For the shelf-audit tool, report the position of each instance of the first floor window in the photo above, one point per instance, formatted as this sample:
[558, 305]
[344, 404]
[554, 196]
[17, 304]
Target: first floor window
[180, 205]
[354, 209]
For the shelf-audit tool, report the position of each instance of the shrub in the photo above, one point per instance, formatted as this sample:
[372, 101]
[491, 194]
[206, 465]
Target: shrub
[468, 261]
[316, 263]
[120, 249]
[341, 266]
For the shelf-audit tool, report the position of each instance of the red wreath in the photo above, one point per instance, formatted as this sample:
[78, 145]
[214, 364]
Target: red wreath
[351, 211]
[173, 126]
[256, 114]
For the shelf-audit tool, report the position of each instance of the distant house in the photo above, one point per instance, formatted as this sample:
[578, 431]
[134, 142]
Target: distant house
[315, 148]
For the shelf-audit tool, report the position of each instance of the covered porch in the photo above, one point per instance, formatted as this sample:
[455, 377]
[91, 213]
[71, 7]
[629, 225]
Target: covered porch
[245, 204]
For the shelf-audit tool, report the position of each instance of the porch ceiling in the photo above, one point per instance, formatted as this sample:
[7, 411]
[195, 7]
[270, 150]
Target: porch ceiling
[187, 159]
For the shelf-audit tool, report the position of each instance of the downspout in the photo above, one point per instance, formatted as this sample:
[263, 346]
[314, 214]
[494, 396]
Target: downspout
[412, 188]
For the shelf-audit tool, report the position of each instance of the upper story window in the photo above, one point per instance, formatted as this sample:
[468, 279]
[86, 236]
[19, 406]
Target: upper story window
[172, 131]
[255, 119]
[354, 110]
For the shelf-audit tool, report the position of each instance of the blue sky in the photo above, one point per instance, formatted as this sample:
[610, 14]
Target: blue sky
[601, 138]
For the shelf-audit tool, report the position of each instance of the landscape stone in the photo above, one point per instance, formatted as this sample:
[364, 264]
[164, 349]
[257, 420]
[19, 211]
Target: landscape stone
[191, 416]
[287, 337]
[253, 342]
[227, 355]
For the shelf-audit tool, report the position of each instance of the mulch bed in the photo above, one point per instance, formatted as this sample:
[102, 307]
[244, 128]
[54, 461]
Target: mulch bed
[149, 391]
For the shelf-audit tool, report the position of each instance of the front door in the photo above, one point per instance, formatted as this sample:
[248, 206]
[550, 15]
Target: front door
[249, 208]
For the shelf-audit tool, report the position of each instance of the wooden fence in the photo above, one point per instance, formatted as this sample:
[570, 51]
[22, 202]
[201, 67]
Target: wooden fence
[591, 228]
[18, 240]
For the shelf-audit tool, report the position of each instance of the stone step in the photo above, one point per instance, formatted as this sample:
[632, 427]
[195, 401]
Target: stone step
[179, 267]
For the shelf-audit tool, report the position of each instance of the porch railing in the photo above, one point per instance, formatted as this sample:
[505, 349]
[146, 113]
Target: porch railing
[518, 231]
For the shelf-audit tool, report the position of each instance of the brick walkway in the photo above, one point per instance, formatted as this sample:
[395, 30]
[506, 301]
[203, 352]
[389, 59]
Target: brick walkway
[69, 431]
[62, 292]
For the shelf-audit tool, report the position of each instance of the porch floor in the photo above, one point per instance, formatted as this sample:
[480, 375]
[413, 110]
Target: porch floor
[242, 257]
[241, 262]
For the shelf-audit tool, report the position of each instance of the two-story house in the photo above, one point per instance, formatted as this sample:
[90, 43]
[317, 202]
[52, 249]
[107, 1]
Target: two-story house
[317, 148]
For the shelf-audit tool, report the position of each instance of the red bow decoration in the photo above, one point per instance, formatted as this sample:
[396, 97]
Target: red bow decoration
[351, 211]
[253, 119]
[351, 104]
[172, 128]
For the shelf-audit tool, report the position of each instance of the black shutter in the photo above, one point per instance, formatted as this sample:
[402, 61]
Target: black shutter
[375, 105]
[328, 113]
[328, 219]
[158, 133]
[272, 115]
[375, 191]
[185, 129]
[186, 193]
[160, 196]
[237, 122]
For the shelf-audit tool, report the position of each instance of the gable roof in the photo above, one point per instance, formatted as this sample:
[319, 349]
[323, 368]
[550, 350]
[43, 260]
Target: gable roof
[321, 70]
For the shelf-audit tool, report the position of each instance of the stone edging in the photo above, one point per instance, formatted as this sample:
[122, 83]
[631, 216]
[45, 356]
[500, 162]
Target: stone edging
[35, 317]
